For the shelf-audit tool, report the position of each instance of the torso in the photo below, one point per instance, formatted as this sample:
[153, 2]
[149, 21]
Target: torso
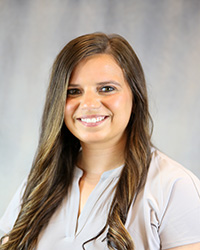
[87, 184]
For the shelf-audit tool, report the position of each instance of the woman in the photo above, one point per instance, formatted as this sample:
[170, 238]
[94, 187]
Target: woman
[96, 181]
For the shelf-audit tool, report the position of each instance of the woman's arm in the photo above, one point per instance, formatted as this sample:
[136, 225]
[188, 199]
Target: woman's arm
[4, 239]
[195, 246]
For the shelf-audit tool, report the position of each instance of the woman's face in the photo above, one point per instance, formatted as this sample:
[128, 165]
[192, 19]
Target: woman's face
[99, 101]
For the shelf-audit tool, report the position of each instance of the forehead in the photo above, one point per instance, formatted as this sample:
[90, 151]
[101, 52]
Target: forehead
[97, 66]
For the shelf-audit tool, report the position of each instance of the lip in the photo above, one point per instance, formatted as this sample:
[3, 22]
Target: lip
[92, 120]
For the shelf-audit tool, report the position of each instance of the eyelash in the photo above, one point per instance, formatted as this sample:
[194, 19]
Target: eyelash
[108, 88]
[73, 91]
[104, 89]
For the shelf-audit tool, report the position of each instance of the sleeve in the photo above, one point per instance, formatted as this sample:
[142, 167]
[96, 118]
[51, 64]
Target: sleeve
[180, 223]
[8, 219]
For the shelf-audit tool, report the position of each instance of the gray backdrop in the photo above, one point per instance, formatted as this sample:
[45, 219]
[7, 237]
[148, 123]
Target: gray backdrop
[164, 33]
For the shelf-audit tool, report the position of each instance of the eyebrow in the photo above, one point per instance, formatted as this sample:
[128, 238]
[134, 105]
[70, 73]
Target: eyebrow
[98, 83]
[73, 85]
[108, 82]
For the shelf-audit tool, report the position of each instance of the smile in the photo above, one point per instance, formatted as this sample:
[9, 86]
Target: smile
[92, 121]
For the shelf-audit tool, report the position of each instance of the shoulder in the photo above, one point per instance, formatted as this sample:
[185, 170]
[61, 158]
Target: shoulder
[163, 163]
[168, 182]
[166, 212]
[8, 219]
[174, 192]
[168, 174]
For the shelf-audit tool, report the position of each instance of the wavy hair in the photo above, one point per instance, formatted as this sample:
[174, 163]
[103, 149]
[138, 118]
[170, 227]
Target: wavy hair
[52, 170]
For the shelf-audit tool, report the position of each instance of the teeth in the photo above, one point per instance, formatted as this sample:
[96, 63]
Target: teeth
[92, 120]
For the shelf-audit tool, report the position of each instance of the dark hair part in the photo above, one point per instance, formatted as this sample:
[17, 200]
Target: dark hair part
[52, 171]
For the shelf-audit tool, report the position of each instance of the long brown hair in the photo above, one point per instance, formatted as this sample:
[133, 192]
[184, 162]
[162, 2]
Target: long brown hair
[52, 171]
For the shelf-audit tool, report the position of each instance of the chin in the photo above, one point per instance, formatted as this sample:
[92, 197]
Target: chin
[92, 139]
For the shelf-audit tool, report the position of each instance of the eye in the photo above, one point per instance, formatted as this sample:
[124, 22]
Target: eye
[106, 89]
[73, 91]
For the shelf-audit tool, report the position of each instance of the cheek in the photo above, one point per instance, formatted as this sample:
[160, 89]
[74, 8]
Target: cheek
[70, 107]
[69, 110]
[121, 103]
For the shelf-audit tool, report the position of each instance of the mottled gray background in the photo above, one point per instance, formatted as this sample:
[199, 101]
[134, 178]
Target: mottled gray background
[164, 33]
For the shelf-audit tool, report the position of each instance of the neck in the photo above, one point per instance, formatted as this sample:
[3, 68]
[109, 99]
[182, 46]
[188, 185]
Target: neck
[96, 159]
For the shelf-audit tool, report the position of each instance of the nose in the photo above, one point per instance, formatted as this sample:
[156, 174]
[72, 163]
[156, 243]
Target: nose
[90, 100]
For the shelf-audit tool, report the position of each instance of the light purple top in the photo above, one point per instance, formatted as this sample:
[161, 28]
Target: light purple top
[165, 214]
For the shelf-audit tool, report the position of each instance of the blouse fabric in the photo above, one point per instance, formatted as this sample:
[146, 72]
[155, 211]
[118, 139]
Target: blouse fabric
[164, 214]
